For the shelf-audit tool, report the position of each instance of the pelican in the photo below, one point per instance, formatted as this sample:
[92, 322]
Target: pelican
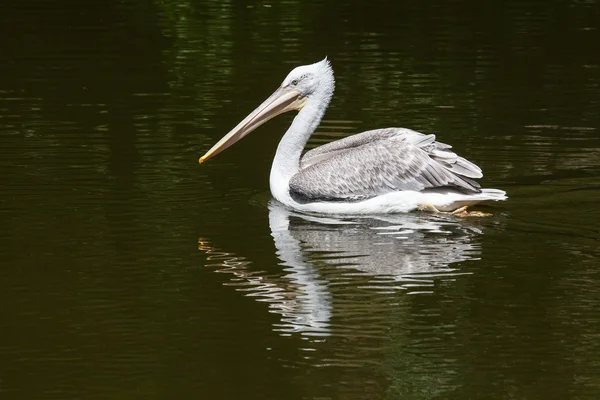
[391, 170]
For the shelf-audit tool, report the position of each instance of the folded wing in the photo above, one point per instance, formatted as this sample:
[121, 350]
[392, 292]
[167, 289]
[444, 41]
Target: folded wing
[376, 162]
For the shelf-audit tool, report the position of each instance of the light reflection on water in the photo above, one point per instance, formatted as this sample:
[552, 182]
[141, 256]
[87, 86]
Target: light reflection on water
[321, 256]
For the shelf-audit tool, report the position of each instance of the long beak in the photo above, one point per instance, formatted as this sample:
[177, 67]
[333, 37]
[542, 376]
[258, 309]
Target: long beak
[284, 99]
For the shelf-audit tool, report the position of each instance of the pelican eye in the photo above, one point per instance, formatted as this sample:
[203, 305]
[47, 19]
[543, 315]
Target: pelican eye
[294, 82]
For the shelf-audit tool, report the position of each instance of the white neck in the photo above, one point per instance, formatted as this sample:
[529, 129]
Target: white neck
[287, 159]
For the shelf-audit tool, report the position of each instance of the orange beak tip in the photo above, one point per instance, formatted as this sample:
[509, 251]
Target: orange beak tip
[200, 160]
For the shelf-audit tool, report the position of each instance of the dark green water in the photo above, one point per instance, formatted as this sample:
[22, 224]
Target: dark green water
[130, 272]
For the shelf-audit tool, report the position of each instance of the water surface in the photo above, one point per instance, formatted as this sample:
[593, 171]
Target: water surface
[131, 272]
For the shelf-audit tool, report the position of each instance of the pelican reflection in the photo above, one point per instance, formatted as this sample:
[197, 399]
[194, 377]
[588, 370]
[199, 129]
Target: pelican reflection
[381, 254]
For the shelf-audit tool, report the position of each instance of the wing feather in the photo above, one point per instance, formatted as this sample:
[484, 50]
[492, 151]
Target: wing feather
[380, 161]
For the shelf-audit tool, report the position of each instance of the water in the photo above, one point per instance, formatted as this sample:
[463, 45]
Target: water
[128, 271]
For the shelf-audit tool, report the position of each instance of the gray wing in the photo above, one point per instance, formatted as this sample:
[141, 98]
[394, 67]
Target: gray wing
[381, 161]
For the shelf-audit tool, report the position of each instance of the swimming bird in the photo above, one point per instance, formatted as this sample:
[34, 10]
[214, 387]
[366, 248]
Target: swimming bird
[389, 170]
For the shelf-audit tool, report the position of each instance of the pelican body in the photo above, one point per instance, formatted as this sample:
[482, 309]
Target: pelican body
[380, 171]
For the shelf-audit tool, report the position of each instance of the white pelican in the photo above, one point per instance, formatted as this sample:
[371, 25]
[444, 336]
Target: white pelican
[380, 171]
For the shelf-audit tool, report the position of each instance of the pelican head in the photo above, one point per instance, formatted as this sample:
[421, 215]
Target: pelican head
[297, 88]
